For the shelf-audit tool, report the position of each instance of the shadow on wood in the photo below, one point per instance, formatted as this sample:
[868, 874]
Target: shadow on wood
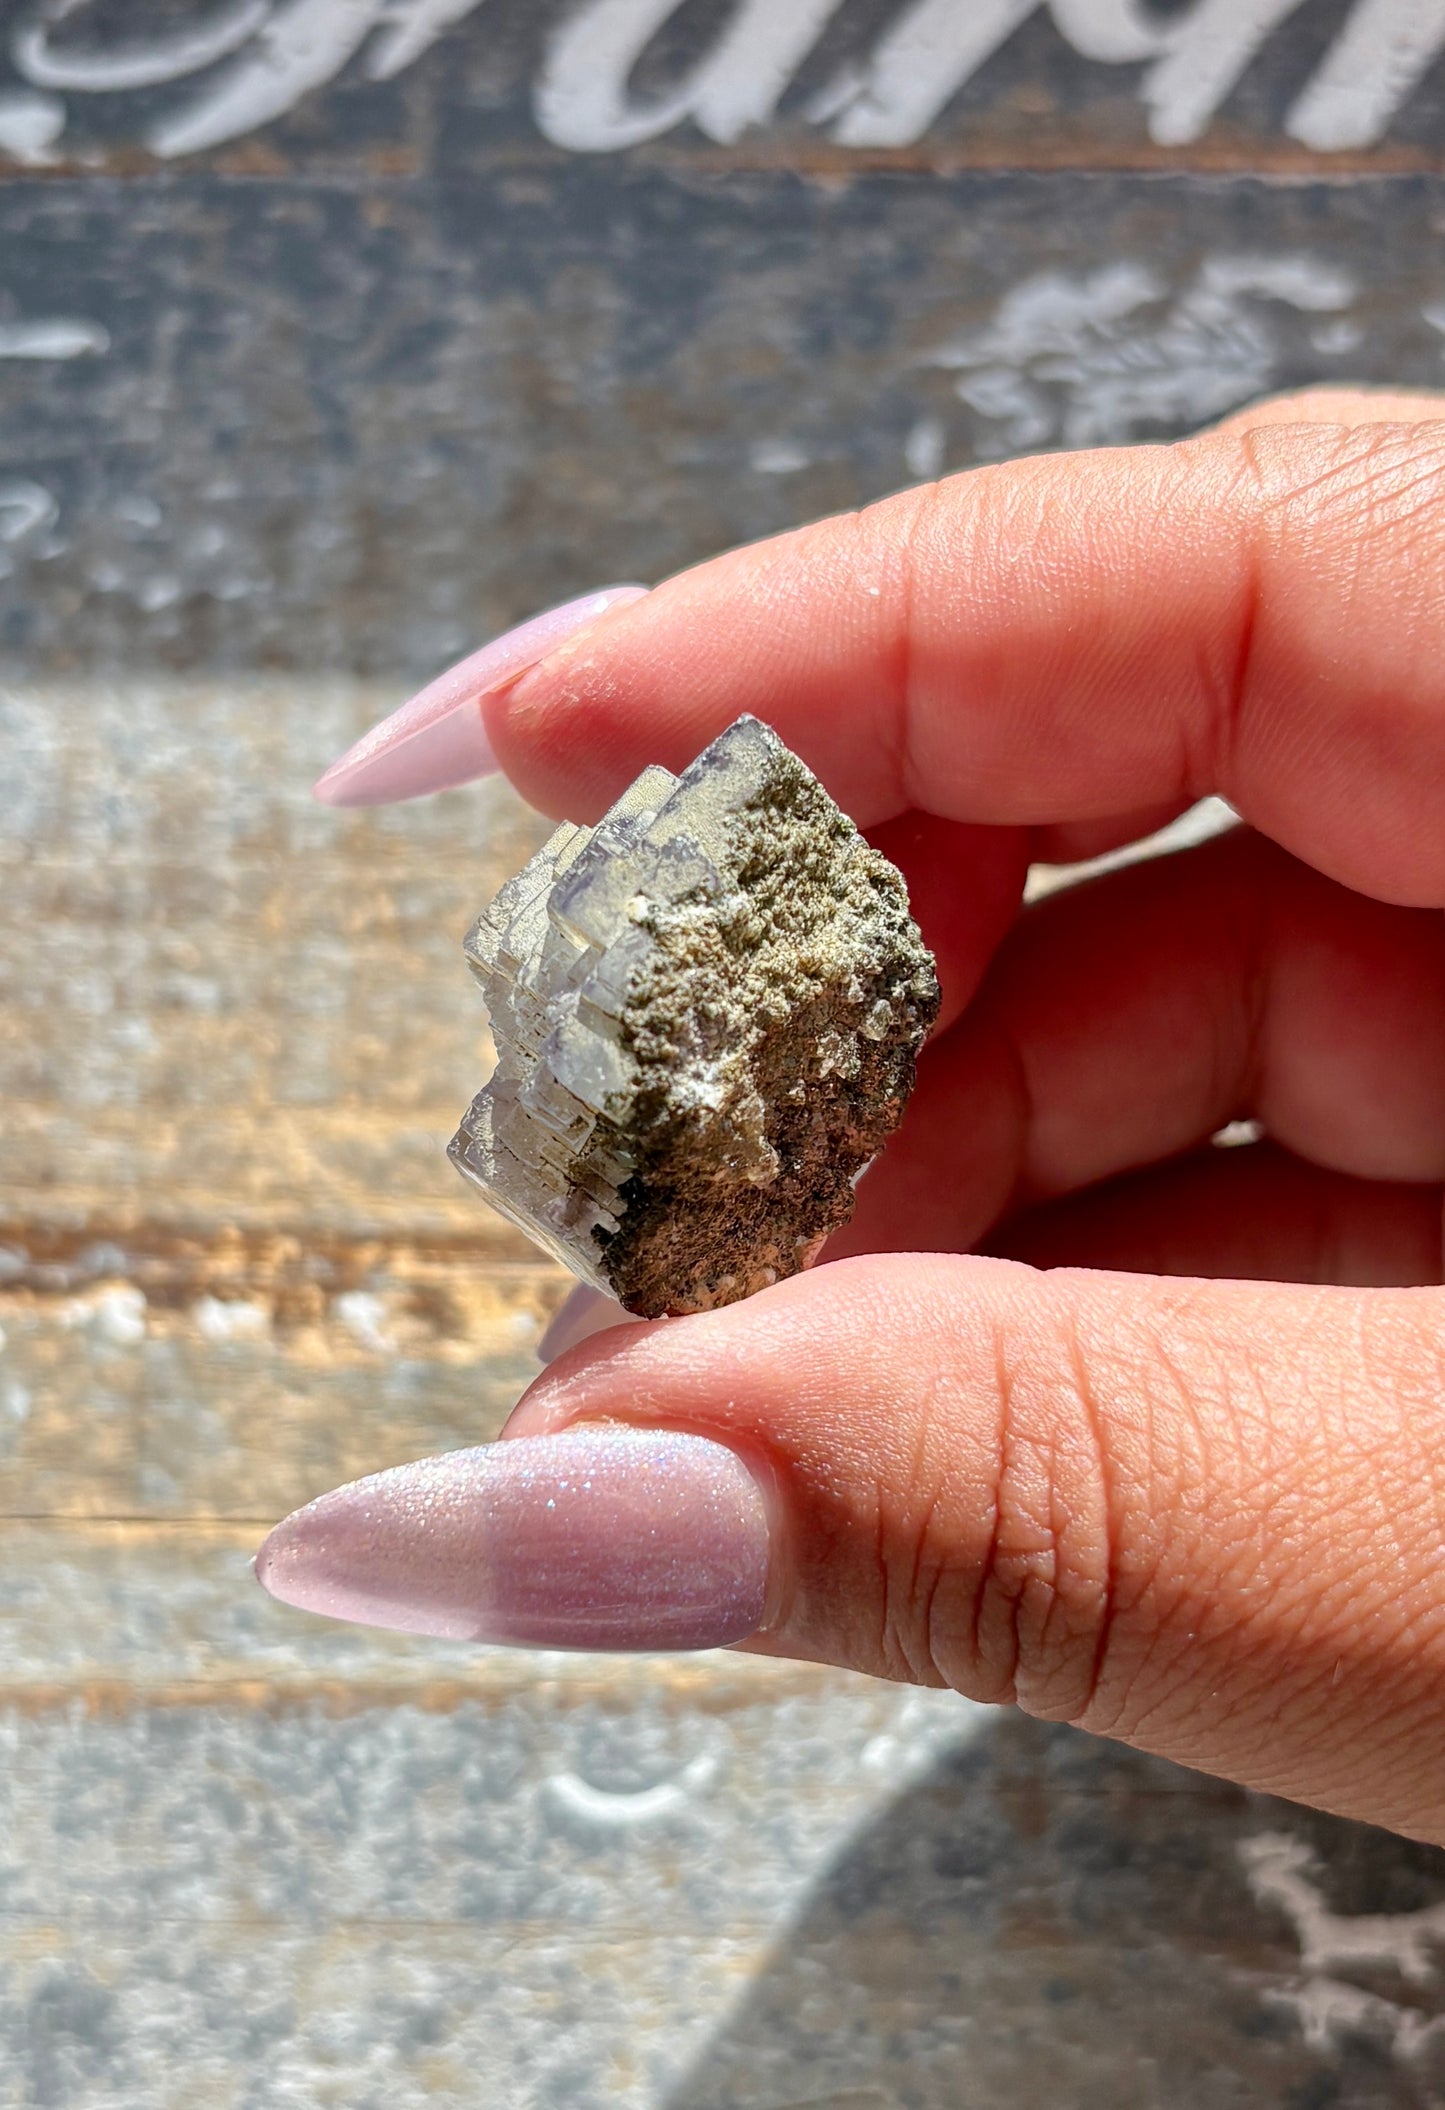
[1044, 1918]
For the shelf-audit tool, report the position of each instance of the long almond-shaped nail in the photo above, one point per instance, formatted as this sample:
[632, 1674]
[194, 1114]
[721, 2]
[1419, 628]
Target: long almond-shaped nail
[438, 740]
[603, 1537]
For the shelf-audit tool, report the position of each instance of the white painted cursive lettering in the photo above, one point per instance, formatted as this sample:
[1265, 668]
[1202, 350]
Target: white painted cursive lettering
[45, 65]
[1204, 63]
[1366, 76]
[1201, 55]
[409, 30]
[582, 99]
[248, 62]
[920, 66]
[296, 50]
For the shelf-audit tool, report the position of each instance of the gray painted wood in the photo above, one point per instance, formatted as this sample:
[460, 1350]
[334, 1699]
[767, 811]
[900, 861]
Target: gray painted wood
[348, 426]
[288, 416]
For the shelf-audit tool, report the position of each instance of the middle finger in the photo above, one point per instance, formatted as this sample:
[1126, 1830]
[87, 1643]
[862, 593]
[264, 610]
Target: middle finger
[1125, 1020]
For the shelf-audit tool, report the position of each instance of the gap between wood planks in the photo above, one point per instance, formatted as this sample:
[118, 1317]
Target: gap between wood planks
[174, 1263]
[1064, 149]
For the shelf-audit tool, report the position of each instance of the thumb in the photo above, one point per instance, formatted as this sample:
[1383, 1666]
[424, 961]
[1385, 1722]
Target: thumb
[1205, 1518]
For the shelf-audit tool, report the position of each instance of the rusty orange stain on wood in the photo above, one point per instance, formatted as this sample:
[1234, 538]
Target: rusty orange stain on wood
[1019, 136]
[704, 1694]
[175, 1263]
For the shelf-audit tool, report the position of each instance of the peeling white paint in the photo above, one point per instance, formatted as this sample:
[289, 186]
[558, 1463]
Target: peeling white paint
[25, 508]
[162, 590]
[221, 1319]
[1335, 339]
[29, 127]
[117, 1312]
[364, 1317]
[605, 1806]
[778, 457]
[140, 511]
[923, 1725]
[925, 449]
[53, 337]
[1330, 2013]
[1280, 1871]
[1092, 360]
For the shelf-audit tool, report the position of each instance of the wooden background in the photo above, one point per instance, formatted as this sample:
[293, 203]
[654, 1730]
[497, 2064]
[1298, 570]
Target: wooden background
[333, 336]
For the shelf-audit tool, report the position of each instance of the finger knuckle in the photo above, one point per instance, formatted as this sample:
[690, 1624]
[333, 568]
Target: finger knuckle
[1027, 1615]
[1053, 1552]
[1357, 511]
[917, 1546]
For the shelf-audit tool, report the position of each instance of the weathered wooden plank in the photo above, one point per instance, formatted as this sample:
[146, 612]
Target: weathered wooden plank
[322, 355]
[575, 1905]
[116, 1616]
[566, 1809]
[407, 86]
[248, 1405]
[223, 1011]
[195, 1370]
[714, 1882]
[336, 427]
[251, 2018]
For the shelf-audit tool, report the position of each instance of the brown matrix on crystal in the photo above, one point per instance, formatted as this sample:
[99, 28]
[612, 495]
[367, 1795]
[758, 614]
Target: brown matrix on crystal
[707, 1012]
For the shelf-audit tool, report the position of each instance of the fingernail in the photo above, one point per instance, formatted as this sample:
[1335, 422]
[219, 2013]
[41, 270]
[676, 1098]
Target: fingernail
[604, 1537]
[438, 740]
[582, 1312]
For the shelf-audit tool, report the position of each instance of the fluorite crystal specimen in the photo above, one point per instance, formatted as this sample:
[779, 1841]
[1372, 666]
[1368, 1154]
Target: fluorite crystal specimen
[707, 1012]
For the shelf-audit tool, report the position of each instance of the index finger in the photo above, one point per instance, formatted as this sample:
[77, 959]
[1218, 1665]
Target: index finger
[1255, 612]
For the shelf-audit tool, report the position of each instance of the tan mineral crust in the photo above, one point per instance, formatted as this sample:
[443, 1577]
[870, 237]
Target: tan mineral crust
[707, 1012]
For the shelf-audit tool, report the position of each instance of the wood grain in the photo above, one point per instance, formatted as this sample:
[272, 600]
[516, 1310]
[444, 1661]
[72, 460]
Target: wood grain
[349, 429]
[284, 422]
[252, 1852]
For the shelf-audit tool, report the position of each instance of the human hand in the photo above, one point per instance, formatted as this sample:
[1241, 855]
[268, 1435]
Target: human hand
[1198, 1505]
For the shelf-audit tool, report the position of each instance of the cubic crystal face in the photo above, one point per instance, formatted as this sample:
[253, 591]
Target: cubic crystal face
[707, 1012]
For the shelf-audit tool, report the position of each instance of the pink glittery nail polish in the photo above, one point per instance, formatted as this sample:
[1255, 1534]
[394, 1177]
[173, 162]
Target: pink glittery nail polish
[438, 740]
[603, 1537]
